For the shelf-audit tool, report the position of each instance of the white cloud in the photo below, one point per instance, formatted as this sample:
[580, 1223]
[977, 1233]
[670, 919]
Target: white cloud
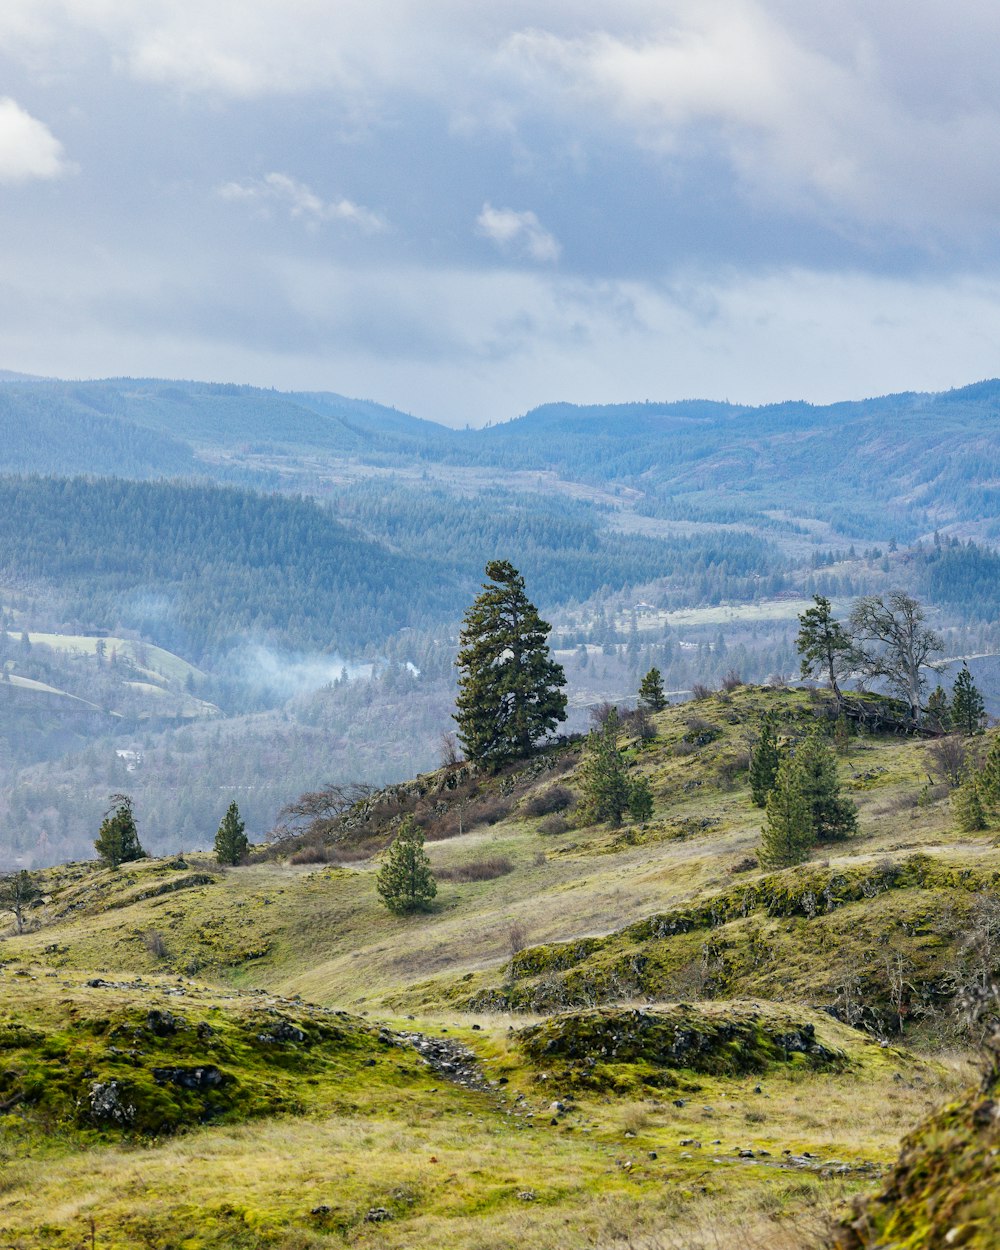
[518, 232]
[28, 149]
[811, 117]
[301, 202]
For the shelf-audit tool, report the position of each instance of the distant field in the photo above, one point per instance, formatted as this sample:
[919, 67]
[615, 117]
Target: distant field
[155, 660]
[41, 687]
[766, 610]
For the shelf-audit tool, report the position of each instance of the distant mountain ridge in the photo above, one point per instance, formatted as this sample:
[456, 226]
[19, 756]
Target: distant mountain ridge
[893, 466]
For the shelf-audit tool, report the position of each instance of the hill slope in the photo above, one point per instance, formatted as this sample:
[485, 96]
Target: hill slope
[687, 1079]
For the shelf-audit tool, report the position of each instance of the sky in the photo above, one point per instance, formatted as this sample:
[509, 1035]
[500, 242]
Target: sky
[465, 210]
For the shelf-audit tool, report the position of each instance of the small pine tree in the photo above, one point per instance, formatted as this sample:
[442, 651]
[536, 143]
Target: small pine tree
[968, 711]
[651, 691]
[988, 780]
[405, 881]
[640, 800]
[842, 735]
[938, 710]
[764, 762]
[787, 836]
[117, 840]
[604, 776]
[968, 805]
[834, 818]
[231, 842]
[18, 891]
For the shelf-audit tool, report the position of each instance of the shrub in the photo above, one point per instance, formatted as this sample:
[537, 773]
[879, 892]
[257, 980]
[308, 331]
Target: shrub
[544, 802]
[552, 825]
[748, 863]
[732, 681]
[734, 769]
[155, 943]
[602, 712]
[487, 869]
[311, 855]
[639, 722]
[949, 757]
[700, 692]
[490, 810]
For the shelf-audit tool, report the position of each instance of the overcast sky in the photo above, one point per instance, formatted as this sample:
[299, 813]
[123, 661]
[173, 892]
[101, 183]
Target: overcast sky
[466, 209]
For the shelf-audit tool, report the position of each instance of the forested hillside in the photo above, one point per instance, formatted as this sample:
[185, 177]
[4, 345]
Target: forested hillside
[201, 568]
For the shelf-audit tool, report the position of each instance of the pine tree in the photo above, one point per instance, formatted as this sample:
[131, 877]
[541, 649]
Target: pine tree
[640, 800]
[823, 644]
[510, 688]
[787, 836]
[968, 711]
[651, 691]
[834, 818]
[938, 710]
[764, 762]
[968, 804]
[231, 842]
[989, 775]
[604, 776]
[117, 840]
[405, 881]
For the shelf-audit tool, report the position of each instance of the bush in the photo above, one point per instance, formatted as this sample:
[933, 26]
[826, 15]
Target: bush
[748, 863]
[639, 722]
[552, 825]
[700, 692]
[601, 713]
[488, 811]
[311, 855]
[487, 869]
[732, 681]
[544, 802]
[734, 769]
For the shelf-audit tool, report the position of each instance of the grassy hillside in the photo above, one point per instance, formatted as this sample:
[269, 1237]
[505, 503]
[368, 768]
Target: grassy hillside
[622, 1033]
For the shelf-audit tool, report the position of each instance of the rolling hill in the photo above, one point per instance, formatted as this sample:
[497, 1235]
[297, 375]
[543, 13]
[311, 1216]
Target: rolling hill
[596, 1036]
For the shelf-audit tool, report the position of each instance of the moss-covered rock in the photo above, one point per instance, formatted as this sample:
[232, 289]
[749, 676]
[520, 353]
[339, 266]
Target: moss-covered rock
[592, 1046]
[945, 1190]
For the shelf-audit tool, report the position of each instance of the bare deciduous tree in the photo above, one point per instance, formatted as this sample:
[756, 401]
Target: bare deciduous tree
[893, 642]
[316, 812]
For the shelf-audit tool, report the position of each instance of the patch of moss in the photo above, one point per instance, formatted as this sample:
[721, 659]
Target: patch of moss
[142, 1069]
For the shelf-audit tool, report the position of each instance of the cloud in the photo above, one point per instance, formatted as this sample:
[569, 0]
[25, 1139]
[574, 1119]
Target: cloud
[302, 203]
[28, 149]
[825, 121]
[519, 233]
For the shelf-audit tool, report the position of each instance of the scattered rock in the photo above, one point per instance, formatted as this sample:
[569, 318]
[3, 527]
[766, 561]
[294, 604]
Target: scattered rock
[201, 1078]
[109, 1104]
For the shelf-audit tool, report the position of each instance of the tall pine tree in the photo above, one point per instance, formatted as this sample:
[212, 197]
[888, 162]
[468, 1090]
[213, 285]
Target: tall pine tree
[834, 818]
[510, 691]
[823, 644]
